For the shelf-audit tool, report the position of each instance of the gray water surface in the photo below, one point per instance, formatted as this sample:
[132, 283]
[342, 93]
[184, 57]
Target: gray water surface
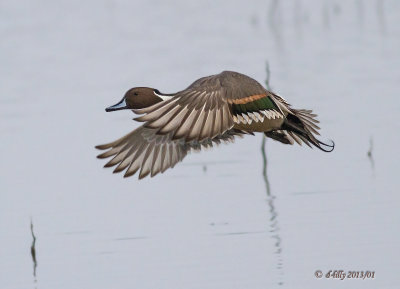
[210, 222]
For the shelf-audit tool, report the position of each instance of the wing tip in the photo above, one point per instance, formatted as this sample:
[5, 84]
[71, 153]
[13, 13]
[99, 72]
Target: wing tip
[103, 146]
[142, 175]
[118, 170]
[103, 155]
[109, 164]
[129, 174]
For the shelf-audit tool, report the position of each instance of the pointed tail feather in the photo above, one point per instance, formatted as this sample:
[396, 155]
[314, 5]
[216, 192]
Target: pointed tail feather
[301, 126]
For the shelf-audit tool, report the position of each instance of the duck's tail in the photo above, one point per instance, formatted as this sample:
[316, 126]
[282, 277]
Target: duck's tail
[301, 126]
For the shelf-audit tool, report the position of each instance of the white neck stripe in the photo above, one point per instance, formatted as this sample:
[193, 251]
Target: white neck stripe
[163, 97]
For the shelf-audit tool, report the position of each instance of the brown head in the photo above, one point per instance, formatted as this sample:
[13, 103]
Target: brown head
[138, 97]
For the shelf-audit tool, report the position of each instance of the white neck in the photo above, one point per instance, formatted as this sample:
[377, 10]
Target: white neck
[163, 97]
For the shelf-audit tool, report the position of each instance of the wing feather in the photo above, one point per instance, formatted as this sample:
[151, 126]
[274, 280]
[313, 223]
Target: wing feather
[146, 151]
[191, 113]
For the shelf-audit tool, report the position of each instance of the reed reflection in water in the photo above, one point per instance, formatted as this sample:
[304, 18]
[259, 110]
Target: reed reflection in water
[273, 220]
[33, 252]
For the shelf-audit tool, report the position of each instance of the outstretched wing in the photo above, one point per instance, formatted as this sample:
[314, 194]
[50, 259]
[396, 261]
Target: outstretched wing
[152, 153]
[197, 113]
[203, 110]
[143, 149]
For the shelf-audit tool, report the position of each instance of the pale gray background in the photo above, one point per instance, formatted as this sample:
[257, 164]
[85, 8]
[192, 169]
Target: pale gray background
[63, 62]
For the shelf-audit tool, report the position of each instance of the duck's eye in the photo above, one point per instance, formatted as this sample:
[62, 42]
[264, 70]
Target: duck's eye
[135, 93]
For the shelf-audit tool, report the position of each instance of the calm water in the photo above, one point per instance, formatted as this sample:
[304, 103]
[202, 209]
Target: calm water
[210, 222]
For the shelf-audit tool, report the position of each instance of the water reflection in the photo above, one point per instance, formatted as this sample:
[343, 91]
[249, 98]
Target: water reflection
[273, 220]
[298, 19]
[274, 19]
[325, 16]
[360, 14]
[130, 238]
[381, 16]
[370, 153]
[33, 252]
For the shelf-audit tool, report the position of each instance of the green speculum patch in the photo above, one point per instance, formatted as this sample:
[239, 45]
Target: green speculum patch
[264, 103]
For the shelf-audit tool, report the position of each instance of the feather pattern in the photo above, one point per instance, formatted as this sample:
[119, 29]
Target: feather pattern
[150, 153]
[300, 125]
[211, 110]
[203, 110]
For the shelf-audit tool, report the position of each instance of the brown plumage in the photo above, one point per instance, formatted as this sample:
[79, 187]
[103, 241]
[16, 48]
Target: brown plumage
[212, 109]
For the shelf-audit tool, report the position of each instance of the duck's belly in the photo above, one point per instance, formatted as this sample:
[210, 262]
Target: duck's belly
[266, 125]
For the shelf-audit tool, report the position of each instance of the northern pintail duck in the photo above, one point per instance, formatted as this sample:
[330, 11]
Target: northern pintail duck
[211, 110]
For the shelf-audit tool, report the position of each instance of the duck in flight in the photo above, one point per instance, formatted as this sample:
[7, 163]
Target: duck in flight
[211, 110]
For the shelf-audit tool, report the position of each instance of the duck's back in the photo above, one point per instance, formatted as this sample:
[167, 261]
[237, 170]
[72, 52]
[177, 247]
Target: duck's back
[233, 84]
